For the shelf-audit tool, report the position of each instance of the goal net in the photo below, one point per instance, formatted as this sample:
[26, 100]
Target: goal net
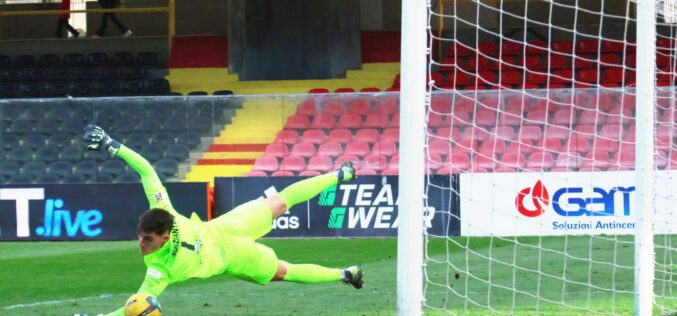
[535, 110]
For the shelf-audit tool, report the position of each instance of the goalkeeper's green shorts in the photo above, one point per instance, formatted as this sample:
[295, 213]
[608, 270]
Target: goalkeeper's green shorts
[247, 259]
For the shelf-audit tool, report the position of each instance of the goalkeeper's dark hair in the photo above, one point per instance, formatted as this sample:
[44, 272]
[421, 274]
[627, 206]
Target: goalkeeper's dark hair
[155, 220]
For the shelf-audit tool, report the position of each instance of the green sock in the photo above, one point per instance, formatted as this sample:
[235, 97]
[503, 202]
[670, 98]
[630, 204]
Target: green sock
[311, 274]
[305, 190]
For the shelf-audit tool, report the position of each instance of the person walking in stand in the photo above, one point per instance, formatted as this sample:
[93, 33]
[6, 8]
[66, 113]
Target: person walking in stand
[111, 4]
[176, 248]
[63, 20]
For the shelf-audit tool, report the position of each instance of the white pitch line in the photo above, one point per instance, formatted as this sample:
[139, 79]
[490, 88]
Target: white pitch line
[58, 301]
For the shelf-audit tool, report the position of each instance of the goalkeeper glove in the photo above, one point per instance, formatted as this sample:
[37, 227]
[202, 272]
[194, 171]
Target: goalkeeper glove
[99, 140]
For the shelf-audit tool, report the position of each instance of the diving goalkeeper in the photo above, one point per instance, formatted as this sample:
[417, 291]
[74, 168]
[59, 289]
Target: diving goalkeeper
[176, 248]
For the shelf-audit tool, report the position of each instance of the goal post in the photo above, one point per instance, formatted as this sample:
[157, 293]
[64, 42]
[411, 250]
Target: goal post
[556, 121]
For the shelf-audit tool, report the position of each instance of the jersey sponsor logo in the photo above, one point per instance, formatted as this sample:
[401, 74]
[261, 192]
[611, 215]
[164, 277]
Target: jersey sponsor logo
[57, 219]
[154, 273]
[365, 206]
[176, 239]
[158, 197]
[576, 201]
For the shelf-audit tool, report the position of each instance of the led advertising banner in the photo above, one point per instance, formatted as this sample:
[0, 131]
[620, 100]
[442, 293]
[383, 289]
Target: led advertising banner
[86, 211]
[561, 203]
[365, 207]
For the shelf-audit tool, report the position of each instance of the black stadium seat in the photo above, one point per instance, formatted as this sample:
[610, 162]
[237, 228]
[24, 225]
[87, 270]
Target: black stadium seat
[49, 60]
[123, 59]
[167, 167]
[128, 177]
[87, 168]
[9, 141]
[72, 154]
[24, 61]
[74, 178]
[60, 169]
[33, 141]
[48, 154]
[146, 59]
[20, 179]
[21, 155]
[112, 167]
[35, 169]
[73, 60]
[9, 169]
[101, 178]
[47, 178]
[152, 152]
[98, 59]
[177, 152]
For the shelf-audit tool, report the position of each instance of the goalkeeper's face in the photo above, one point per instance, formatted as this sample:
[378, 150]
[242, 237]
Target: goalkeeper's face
[149, 242]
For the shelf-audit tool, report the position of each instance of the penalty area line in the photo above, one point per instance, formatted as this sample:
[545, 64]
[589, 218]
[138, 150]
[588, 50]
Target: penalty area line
[58, 301]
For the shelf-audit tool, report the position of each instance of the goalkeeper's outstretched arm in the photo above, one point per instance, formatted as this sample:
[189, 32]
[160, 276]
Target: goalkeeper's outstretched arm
[155, 191]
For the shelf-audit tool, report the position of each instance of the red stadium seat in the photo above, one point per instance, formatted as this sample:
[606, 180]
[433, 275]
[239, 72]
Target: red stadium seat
[536, 78]
[458, 161]
[486, 77]
[341, 135]
[563, 76]
[610, 60]
[582, 62]
[613, 131]
[318, 90]
[309, 173]
[458, 49]
[550, 144]
[578, 144]
[530, 132]
[588, 46]
[359, 107]
[478, 63]
[564, 117]
[374, 162]
[256, 173]
[509, 119]
[522, 146]
[549, 106]
[368, 135]
[591, 117]
[537, 47]
[277, 150]
[614, 75]
[596, 160]
[344, 90]
[343, 158]
[605, 145]
[387, 106]
[314, 136]
[265, 164]
[320, 163]
[504, 132]
[440, 147]
[376, 120]
[441, 103]
[395, 120]
[390, 172]
[287, 136]
[385, 148]
[511, 77]
[433, 119]
[366, 172]
[492, 147]
[512, 160]
[486, 162]
[488, 48]
[509, 47]
[568, 162]
[283, 173]
[353, 121]
[485, 117]
[323, 121]
[391, 135]
[303, 150]
[466, 146]
[331, 149]
[587, 75]
[562, 46]
[540, 161]
[613, 46]
[474, 133]
[333, 107]
[537, 117]
[530, 62]
[358, 148]
[433, 162]
[297, 121]
[370, 89]
[307, 107]
[556, 61]
[293, 164]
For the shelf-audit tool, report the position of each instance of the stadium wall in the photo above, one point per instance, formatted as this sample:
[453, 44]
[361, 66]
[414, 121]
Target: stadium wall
[85, 211]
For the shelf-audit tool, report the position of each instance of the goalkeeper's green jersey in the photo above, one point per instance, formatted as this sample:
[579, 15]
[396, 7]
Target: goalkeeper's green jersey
[192, 251]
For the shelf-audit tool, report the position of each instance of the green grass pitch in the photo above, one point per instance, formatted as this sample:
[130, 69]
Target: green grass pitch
[63, 278]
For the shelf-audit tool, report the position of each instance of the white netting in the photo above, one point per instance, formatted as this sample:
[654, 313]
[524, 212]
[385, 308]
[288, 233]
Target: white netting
[534, 107]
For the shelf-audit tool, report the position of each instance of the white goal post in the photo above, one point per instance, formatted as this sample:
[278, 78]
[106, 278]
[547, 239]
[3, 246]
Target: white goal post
[555, 122]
